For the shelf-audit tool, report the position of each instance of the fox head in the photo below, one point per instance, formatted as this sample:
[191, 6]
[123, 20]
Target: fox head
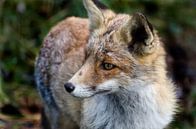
[122, 49]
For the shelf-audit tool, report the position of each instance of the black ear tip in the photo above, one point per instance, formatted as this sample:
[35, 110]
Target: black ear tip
[99, 4]
[140, 17]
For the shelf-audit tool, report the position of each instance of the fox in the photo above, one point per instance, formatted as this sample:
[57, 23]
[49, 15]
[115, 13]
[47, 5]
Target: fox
[107, 71]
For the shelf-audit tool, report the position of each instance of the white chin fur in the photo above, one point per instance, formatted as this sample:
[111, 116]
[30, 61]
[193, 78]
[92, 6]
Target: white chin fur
[84, 91]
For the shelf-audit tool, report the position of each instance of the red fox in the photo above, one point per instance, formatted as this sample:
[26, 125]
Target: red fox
[104, 72]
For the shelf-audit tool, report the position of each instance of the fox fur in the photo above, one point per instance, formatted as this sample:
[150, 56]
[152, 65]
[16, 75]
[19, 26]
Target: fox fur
[116, 64]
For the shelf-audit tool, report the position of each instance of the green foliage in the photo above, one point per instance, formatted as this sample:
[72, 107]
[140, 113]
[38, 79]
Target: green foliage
[24, 23]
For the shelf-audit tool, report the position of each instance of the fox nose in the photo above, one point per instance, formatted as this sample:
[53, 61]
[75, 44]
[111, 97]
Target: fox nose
[69, 87]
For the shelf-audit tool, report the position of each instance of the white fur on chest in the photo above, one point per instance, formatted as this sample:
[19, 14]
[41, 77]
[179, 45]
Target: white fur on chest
[133, 109]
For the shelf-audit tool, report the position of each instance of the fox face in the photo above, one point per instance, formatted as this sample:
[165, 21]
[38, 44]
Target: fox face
[115, 53]
[103, 71]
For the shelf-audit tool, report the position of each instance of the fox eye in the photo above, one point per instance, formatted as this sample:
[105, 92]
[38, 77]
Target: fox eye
[108, 66]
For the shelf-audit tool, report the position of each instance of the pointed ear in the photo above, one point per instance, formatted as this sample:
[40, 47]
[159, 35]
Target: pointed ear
[139, 35]
[95, 15]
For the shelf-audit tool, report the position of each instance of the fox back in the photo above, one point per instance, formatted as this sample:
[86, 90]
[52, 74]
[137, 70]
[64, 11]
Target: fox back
[107, 72]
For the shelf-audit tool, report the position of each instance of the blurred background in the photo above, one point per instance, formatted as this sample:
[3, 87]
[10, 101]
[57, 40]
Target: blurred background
[24, 23]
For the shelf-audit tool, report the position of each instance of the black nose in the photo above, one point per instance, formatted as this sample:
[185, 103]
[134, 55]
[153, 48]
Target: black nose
[69, 87]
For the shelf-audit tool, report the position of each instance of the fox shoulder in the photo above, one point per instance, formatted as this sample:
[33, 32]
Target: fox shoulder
[60, 41]
[60, 44]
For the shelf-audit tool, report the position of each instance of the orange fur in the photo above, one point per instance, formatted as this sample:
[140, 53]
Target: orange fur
[75, 50]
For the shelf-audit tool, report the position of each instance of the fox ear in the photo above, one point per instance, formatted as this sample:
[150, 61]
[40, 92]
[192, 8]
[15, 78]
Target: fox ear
[138, 33]
[95, 15]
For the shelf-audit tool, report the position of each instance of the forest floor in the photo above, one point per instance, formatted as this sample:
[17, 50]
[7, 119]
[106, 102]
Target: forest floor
[13, 118]
[25, 123]
[30, 123]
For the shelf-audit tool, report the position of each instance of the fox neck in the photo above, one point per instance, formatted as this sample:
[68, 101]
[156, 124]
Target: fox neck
[135, 108]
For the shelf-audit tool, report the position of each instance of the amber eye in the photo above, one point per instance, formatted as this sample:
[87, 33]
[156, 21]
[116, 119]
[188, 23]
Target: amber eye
[108, 66]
